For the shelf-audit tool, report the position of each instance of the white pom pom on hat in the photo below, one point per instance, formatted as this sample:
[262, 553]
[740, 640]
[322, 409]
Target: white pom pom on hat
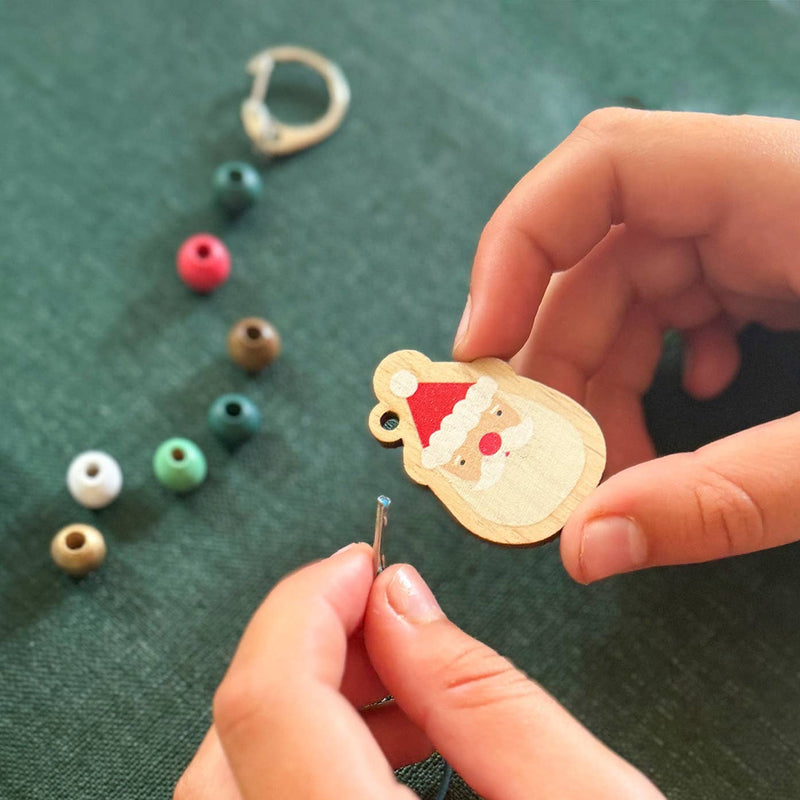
[403, 383]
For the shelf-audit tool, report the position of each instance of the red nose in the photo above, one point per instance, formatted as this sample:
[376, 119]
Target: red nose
[490, 443]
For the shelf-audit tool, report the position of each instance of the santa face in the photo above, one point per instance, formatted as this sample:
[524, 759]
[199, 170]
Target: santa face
[521, 473]
[482, 458]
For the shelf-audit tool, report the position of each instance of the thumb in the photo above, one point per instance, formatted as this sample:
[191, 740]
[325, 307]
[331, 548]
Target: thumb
[500, 731]
[734, 496]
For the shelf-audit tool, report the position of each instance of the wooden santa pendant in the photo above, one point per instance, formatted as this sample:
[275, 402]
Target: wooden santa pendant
[509, 457]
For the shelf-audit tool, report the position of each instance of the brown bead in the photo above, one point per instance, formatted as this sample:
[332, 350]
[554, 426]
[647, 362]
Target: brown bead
[253, 343]
[78, 549]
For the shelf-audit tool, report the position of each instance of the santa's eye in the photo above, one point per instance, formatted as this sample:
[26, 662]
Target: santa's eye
[461, 463]
[496, 411]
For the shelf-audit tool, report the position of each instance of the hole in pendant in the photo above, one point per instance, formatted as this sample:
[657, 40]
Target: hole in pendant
[92, 470]
[389, 421]
[233, 409]
[203, 250]
[236, 175]
[75, 540]
[178, 454]
[253, 332]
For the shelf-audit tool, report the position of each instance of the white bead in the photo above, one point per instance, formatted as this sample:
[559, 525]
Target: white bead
[94, 479]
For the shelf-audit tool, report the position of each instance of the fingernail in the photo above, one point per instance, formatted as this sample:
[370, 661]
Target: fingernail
[610, 545]
[411, 598]
[342, 549]
[463, 326]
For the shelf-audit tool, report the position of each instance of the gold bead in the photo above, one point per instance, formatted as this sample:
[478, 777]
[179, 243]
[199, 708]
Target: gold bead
[253, 343]
[78, 549]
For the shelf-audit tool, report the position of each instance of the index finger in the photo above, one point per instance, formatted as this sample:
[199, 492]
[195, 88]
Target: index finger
[671, 175]
[286, 729]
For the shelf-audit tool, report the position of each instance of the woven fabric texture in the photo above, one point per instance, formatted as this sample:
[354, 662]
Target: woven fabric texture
[112, 119]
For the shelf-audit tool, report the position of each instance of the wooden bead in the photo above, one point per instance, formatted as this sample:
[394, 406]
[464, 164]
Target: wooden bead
[253, 343]
[94, 479]
[234, 418]
[78, 549]
[179, 464]
[237, 186]
[203, 262]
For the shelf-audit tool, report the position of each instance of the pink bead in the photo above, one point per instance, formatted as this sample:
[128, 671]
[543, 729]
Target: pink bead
[203, 262]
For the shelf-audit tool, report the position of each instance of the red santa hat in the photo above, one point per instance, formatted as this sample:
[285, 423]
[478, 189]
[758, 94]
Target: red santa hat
[443, 413]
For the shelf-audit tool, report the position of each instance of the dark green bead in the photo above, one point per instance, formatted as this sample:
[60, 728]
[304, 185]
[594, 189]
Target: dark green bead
[179, 464]
[237, 186]
[234, 418]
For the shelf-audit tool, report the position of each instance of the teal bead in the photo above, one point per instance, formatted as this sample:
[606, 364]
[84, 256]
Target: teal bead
[237, 186]
[179, 464]
[234, 418]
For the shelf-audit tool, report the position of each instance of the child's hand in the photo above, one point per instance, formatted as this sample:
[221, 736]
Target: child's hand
[653, 220]
[288, 721]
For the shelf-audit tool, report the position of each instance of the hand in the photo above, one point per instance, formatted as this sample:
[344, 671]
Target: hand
[326, 642]
[653, 220]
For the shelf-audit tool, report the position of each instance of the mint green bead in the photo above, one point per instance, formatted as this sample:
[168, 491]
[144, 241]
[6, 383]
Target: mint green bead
[234, 418]
[237, 185]
[179, 464]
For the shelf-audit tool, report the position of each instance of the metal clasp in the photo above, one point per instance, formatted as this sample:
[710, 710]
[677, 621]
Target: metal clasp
[276, 138]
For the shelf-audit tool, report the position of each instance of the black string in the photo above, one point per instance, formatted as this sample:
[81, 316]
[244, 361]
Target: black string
[445, 784]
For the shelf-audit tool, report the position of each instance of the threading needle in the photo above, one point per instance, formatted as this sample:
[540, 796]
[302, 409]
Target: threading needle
[381, 521]
[379, 563]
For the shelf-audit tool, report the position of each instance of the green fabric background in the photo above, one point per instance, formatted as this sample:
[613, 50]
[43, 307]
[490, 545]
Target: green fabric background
[112, 118]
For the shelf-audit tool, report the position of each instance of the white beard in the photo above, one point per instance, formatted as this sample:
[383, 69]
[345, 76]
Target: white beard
[536, 477]
[511, 439]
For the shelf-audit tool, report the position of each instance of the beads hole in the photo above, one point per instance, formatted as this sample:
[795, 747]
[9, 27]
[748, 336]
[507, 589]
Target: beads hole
[233, 409]
[178, 454]
[203, 250]
[236, 175]
[75, 540]
[92, 470]
[253, 332]
[389, 421]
